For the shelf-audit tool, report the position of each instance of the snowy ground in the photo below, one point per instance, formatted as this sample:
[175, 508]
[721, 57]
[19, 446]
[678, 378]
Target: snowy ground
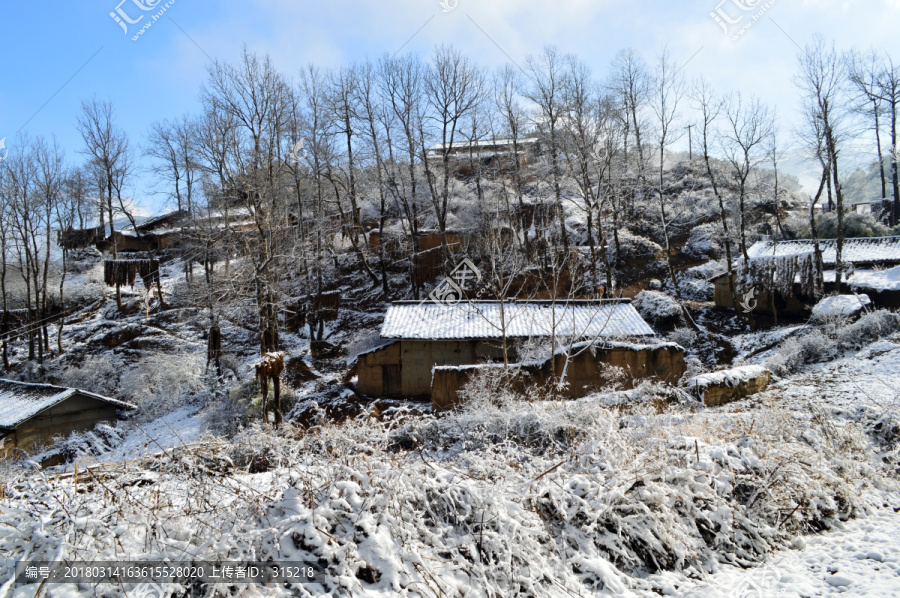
[538, 499]
[861, 559]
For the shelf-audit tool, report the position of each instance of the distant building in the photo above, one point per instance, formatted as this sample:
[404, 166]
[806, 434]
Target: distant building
[31, 415]
[419, 338]
[159, 232]
[867, 207]
[865, 255]
[486, 146]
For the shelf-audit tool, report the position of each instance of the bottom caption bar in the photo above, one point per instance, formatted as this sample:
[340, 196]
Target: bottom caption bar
[93, 572]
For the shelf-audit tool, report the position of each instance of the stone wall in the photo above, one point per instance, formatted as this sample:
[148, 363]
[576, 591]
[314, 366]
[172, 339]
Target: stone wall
[726, 386]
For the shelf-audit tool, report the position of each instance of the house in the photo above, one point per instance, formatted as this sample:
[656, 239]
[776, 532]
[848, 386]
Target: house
[31, 415]
[486, 146]
[179, 228]
[71, 238]
[159, 232]
[867, 257]
[867, 207]
[418, 337]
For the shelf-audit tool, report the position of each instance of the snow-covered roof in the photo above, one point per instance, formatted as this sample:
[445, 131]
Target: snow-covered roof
[463, 144]
[855, 250]
[523, 319]
[20, 401]
[884, 280]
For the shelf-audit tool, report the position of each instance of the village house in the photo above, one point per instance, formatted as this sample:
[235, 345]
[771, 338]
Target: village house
[871, 267]
[31, 415]
[420, 339]
[484, 147]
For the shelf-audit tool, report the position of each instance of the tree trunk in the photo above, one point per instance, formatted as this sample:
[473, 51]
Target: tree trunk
[276, 384]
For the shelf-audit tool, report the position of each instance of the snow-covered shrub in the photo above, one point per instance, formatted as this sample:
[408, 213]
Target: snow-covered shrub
[694, 282]
[232, 364]
[658, 308]
[97, 373]
[831, 340]
[527, 498]
[248, 392]
[634, 247]
[93, 442]
[160, 383]
[705, 242]
[687, 338]
[694, 289]
[855, 225]
[226, 417]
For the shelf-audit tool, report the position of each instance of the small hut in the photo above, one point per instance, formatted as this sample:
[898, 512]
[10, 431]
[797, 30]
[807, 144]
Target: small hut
[417, 338]
[71, 238]
[865, 259]
[31, 415]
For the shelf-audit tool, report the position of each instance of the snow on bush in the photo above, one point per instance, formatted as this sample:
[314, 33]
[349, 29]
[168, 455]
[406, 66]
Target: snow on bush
[97, 373]
[658, 308]
[634, 247]
[705, 241]
[694, 282]
[828, 342]
[160, 383]
[501, 498]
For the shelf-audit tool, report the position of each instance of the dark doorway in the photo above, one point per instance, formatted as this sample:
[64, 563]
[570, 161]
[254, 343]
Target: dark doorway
[390, 380]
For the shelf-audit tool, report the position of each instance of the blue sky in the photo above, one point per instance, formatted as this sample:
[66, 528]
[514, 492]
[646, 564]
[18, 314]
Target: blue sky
[58, 54]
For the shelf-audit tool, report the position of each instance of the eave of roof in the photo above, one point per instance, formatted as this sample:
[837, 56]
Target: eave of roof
[481, 320]
[50, 401]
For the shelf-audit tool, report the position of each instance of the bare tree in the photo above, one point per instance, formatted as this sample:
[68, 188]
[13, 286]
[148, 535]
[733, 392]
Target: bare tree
[172, 144]
[507, 86]
[5, 248]
[864, 72]
[821, 79]
[547, 73]
[401, 86]
[105, 145]
[342, 100]
[667, 94]
[630, 81]
[749, 129]
[254, 95]
[377, 124]
[580, 144]
[453, 88]
[68, 208]
[889, 89]
[710, 109]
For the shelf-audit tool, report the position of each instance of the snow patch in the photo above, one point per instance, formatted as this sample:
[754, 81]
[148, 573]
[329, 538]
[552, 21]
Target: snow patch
[840, 305]
[729, 378]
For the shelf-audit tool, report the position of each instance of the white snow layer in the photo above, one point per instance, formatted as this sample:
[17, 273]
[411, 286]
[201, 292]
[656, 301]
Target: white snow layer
[484, 320]
[884, 280]
[840, 305]
[730, 378]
